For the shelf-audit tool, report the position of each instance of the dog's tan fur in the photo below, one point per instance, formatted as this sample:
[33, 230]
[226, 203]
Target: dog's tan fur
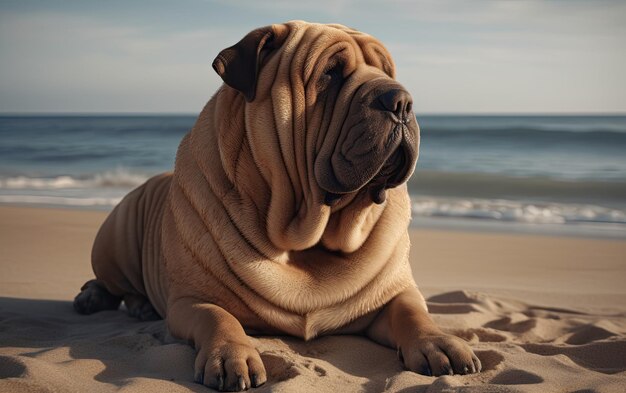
[239, 237]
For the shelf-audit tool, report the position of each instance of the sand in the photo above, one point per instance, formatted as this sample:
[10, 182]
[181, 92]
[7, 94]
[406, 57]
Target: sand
[544, 314]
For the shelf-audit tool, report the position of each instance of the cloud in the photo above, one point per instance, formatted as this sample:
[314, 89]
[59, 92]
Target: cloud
[521, 57]
[453, 56]
[61, 62]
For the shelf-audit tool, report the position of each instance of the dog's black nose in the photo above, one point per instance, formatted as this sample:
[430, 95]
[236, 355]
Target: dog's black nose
[397, 101]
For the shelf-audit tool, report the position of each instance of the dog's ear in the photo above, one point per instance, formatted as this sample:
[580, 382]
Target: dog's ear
[239, 64]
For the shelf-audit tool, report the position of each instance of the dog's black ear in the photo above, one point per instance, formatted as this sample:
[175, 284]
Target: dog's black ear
[239, 65]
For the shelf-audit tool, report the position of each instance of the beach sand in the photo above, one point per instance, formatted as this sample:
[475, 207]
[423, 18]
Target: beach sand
[543, 313]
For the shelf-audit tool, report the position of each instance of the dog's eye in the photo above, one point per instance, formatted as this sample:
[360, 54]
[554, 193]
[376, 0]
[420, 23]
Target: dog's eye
[335, 70]
[332, 75]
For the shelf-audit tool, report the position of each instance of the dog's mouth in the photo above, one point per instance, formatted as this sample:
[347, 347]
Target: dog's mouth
[395, 170]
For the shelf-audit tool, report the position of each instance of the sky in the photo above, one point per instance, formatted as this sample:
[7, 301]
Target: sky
[473, 57]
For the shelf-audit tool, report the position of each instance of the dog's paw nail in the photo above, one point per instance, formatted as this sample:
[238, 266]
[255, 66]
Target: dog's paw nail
[241, 384]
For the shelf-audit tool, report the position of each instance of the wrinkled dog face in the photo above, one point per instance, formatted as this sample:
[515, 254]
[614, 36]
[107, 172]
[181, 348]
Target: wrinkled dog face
[332, 89]
[376, 145]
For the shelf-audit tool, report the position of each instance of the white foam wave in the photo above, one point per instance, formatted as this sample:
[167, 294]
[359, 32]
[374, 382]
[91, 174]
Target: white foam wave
[59, 201]
[516, 211]
[118, 178]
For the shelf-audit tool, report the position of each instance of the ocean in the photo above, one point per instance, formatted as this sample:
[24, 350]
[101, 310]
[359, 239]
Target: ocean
[535, 174]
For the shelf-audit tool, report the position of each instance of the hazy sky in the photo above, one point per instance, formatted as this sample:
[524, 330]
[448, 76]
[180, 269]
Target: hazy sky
[453, 56]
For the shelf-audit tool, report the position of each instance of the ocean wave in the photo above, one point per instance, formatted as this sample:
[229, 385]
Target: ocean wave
[498, 186]
[118, 178]
[59, 201]
[527, 135]
[484, 210]
[504, 124]
[516, 211]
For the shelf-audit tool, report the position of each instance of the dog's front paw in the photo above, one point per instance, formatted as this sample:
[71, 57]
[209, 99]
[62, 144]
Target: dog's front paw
[230, 367]
[441, 354]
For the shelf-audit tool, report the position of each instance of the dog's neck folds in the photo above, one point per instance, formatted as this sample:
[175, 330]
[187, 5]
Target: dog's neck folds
[248, 220]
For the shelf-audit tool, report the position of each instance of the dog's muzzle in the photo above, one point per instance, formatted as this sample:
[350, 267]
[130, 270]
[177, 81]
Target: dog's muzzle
[393, 134]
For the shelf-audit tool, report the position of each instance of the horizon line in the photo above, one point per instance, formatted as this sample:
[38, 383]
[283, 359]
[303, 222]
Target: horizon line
[165, 113]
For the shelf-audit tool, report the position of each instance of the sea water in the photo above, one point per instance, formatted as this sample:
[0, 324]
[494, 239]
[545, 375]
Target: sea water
[556, 174]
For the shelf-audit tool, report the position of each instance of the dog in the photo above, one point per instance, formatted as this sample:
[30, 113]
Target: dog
[287, 212]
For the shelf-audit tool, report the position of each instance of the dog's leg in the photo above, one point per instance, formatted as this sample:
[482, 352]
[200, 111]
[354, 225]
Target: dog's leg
[94, 297]
[139, 306]
[226, 359]
[404, 324]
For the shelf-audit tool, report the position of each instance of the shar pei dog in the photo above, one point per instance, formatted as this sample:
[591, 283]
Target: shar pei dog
[287, 212]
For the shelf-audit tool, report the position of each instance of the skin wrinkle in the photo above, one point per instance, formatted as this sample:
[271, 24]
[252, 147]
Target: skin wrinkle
[179, 230]
[299, 133]
[244, 235]
[142, 215]
[347, 147]
[311, 39]
[343, 135]
[244, 192]
[236, 193]
[228, 136]
[357, 218]
[367, 46]
[264, 170]
[316, 126]
[303, 161]
[275, 202]
[329, 113]
[341, 51]
[378, 55]
[313, 140]
[274, 95]
[234, 213]
[236, 163]
[300, 149]
[324, 120]
[152, 255]
[378, 226]
[205, 217]
[287, 64]
[206, 268]
[177, 238]
[291, 155]
[315, 57]
[379, 299]
[190, 245]
[331, 172]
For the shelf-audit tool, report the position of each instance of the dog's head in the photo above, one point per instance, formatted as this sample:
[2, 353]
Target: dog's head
[342, 122]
